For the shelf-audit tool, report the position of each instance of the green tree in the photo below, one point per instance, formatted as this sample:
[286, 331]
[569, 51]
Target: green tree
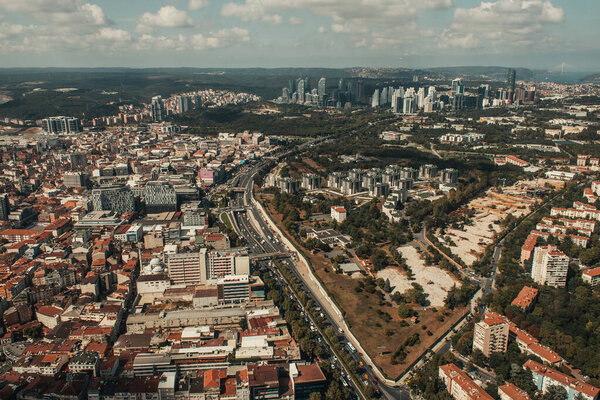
[555, 392]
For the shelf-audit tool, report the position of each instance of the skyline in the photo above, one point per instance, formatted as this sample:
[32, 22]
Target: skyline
[537, 34]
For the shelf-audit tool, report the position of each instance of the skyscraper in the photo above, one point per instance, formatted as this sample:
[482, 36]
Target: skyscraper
[184, 103]
[511, 80]
[458, 87]
[341, 84]
[157, 109]
[301, 90]
[383, 98]
[322, 87]
[375, 99]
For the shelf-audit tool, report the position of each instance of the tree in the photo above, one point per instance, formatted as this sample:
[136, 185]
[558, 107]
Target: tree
[555, 392]
[387, 287]
[315, 396]
[404, 311]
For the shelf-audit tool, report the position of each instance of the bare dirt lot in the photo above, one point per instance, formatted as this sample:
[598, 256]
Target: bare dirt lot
[469, 242]
[435, 281]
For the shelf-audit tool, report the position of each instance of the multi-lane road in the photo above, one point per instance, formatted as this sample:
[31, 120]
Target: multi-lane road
[249, 223]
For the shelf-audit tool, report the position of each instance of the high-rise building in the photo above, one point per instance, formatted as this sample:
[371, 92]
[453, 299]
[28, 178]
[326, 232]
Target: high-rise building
[550, 266]
[301, 90]
[375, 99]
[159, 197]
[458, 87]
[491, 334]
[183, 103]
[410, 102]
[4, 207]
[285, 94]
[511, 80]
[157, 109]
[421, 97]
[322, 87]
[187, 268]
[383, 97]
[118, 199]
[341, 85]
[61, 124]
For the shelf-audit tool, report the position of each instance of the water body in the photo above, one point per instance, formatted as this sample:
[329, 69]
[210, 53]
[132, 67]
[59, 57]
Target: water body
[557, 77]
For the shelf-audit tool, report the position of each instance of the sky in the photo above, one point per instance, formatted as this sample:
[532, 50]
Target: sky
[300, 33]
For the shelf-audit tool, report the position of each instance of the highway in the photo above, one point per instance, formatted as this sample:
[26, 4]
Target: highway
[261, 238]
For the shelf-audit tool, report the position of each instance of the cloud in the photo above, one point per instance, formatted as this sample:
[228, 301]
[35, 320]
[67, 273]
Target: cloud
[275, 19]
[219, 39]
[295, 20]
[503, 22]
[211, 40]
[321, 30]
[166, 17]
[357, 16]
[198, 4]
[75, 12]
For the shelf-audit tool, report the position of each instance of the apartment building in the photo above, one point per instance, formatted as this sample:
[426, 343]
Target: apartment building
[591, 276]
[460, 385]
[491, 334]
[550, 266]
[526, 298]
[545, 377]
[187, 268]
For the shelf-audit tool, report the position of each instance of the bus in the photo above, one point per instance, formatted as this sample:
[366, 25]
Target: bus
[350, 347]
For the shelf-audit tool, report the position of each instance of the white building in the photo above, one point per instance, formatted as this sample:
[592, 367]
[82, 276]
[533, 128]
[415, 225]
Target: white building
[550, 266]
[338, 213]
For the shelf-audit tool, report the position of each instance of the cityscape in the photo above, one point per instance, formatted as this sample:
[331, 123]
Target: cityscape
[305, 200]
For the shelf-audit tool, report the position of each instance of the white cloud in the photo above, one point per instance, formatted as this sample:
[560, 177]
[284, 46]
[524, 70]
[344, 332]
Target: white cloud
[211, 40]
[74, 12]
[502, 22]
[219, 39]
[198, 4]
[321, 30]
[295, 20]
[275, 19]
[347, 16]
[166, 17]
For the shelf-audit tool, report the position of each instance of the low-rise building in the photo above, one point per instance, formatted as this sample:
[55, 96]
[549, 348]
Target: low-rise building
[460, 385]
[545, 377]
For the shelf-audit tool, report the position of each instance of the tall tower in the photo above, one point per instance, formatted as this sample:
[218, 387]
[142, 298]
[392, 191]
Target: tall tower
[511, 80]
[158, 109]
[321, 88]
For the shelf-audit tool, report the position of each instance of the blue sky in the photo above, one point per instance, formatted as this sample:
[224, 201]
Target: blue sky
[308, 33]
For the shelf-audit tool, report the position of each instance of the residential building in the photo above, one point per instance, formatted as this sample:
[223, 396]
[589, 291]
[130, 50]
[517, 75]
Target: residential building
[591, 276]
[550, 266]
[526, 298]
[545, 377]
[338, 213]
[460, 385]
[509, 391]
[491, 334]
